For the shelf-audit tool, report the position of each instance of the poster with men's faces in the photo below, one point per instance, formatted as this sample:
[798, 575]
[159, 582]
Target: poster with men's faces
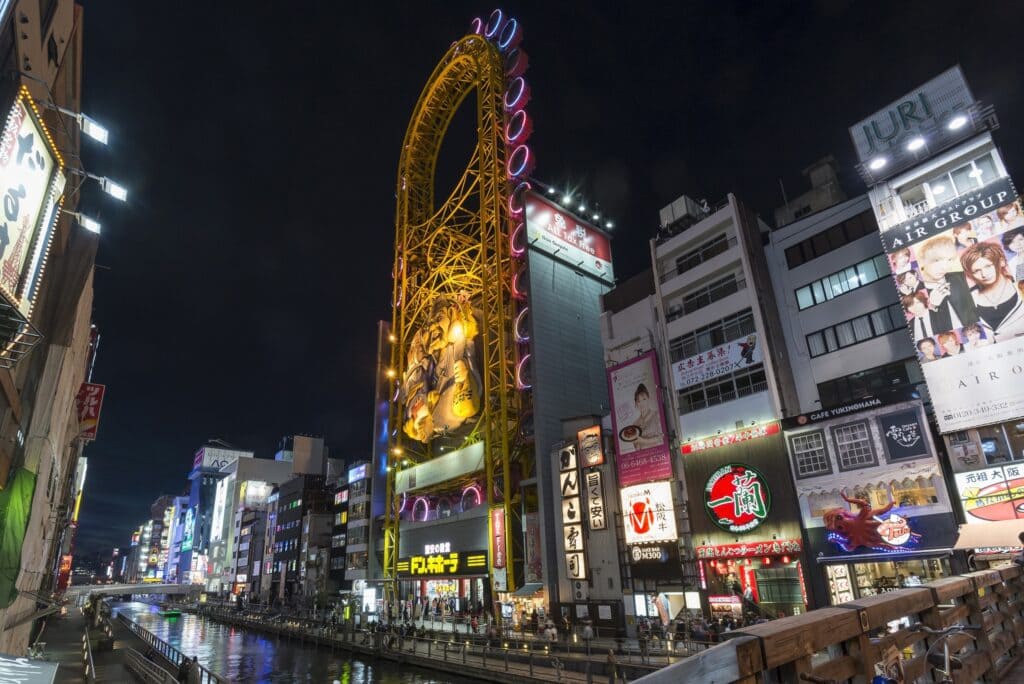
[959, 271]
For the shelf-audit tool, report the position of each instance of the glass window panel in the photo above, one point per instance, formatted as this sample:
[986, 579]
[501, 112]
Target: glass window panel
[820, 242]
[816, 344]
[844, 333]
[836, 285]
[881, 266]
[987, 166]
[830, 339]
[818, 288]
[867, 272]
[836, 237]
[862, 328]
[963, 181]
[794, 256]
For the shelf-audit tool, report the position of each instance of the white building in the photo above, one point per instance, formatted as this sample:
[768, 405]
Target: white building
[713, 295]
[841, 317]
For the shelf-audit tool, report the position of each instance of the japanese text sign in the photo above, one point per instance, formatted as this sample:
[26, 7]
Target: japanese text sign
[721, 360]
[443, 564]
[737, 498]
[595, 500]
[89, 403]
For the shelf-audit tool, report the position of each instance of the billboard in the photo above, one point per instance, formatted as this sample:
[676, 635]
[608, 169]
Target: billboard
[638, 422]
[960, 274]
[737, 497]
[31, 184]
[922, 111]
[648, 514]
[89, 403]
[722, 360]
[557, 232]
[992, 494]
[441, 385]
[869, 481]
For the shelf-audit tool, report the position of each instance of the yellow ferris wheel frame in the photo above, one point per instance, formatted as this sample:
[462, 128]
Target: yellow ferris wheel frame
[462, 245]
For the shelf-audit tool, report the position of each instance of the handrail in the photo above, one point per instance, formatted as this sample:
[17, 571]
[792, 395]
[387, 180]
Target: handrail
[169, 653]
[90, 666]
[846, 641]
[146, 669]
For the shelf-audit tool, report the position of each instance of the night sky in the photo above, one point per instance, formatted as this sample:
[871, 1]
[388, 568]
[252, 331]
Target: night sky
[237, 292]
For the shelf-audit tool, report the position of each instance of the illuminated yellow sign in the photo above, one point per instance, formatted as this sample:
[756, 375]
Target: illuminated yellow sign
[443, 564]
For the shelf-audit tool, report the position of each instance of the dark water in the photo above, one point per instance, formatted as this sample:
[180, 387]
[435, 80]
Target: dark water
[243, 656]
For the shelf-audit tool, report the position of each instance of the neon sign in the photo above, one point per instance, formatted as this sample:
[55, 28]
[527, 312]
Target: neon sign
[737, 498]
[443, 564]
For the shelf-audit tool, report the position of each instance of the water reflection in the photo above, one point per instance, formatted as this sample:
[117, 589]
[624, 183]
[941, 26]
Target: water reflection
[242, 656]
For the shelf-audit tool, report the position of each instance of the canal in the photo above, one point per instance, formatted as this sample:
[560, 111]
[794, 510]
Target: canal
[242, 656]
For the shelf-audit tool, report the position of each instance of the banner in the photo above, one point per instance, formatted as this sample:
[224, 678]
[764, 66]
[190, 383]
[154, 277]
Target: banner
[648, 513]
[722, 360]
[959, 271]
[89, 403]
[638, 422]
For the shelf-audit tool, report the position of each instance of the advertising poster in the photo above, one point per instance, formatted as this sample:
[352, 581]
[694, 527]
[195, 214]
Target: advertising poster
[722, 360]
[959, 271]
[638, 422]
[531, 532]
[648, 514]
[560, 234]
[441, 385]
[992, 494]
[868, 481]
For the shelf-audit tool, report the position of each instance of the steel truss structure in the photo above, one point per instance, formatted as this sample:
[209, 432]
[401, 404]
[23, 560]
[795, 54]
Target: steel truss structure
[461, 246]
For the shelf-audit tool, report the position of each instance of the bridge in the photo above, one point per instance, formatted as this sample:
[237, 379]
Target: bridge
[123, 589]
[845, 642]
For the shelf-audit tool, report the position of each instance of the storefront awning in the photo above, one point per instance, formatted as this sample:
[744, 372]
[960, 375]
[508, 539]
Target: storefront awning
[529, 589]
[990, 534]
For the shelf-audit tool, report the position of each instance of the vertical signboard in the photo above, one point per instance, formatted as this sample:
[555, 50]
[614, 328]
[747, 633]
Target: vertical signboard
[638, 422]
[89, 403]
[498, 537]
[572, 513]
[595, 500]
[959, 270]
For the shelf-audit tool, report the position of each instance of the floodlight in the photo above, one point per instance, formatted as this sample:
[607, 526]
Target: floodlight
[878, 163]
[957, 122]
[915, 144]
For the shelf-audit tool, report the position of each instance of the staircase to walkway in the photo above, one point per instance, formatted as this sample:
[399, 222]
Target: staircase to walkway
[843, 643]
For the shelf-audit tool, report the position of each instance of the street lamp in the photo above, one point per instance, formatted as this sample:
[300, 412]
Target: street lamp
[112, 188]
[91, 225]
[89, 125]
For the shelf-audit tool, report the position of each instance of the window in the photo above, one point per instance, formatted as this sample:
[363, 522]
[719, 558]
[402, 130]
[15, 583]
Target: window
[841, 282]
[721, 390]
[875, 324]
[809, 454]
[358, 535]
[338, 540]
[831, 239]
[712, 335]
[706, 251]
[712, 292]
[868, 382]
[853, 446]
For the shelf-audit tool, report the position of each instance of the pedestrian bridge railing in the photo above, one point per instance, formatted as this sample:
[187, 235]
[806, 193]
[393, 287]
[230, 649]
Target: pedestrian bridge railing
[844, 643]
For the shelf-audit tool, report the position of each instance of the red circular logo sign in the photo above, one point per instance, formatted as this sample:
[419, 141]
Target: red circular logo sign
[737, 498]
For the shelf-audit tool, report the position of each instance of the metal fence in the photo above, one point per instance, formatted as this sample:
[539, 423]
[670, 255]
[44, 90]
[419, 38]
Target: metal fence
[169, 653]
[146, 670]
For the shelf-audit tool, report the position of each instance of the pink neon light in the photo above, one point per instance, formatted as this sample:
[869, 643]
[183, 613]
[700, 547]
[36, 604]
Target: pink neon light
[518, 84]
[520, 160]
[426, 507]
[405, 500]
[516, 292]
[521, 338]
[520, 385]
[517, 251]
[516, 62]
[515, 200]
[477, 25]
[516, 126]
[494, 24]
[473, 488]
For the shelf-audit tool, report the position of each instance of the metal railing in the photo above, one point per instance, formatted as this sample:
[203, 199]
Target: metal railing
[570, 659]
[168, 652]
[146, 670]
[87, 661]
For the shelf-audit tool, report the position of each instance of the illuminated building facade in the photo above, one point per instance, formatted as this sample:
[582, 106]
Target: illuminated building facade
[458, 373]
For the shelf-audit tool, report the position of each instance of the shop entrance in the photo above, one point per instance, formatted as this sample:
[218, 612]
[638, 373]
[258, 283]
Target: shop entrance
[850, 581]
[765, 586]
[440, 598]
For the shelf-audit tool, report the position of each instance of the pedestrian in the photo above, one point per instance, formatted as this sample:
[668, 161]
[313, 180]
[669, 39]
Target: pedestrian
[183, 669]
[613, 666]
[195, 673]
[588, 635]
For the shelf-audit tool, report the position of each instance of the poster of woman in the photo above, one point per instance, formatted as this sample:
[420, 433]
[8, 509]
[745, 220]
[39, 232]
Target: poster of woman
[638, 421]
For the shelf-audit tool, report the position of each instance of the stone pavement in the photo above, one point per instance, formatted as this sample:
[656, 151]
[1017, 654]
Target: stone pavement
[63, 637]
